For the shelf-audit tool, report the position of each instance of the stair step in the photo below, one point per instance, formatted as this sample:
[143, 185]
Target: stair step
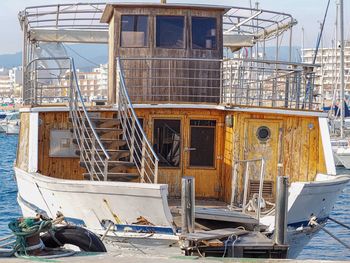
[109, 143]
[114, 154]
[119, 177]
[112, 164]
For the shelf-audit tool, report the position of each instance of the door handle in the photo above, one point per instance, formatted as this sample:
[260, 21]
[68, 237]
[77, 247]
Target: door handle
[187, 149]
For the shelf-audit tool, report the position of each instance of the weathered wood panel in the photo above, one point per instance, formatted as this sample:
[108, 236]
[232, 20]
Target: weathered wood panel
[65, 168]
[188, 84]
[23, 143]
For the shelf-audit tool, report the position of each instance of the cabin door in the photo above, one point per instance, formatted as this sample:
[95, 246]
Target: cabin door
[202, 154]
[261, 139]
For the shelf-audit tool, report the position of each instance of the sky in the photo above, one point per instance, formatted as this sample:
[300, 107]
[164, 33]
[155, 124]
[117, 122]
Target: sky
[308, 13]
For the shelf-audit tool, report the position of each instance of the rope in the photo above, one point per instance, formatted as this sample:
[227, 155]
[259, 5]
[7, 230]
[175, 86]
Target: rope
[27, 227]
[339, 223]
[313, 222]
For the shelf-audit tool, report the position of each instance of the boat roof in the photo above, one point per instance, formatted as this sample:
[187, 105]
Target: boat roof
[110, 6]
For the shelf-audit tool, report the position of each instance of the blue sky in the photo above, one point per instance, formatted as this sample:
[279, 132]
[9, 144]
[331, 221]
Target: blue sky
[307, 12]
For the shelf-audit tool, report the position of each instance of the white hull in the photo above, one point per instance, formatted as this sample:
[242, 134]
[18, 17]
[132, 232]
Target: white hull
[10, 128]
[342, 157]
[84, 202]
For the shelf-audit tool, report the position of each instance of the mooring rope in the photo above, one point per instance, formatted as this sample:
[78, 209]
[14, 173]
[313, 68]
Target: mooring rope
[313, 222]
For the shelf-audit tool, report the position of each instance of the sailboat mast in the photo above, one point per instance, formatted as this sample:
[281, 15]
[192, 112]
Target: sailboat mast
[342, 78]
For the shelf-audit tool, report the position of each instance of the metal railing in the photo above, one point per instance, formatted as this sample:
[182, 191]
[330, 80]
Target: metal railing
[50, 79]
[73, 16]
[234, 184]
[92, 152]
[245, 82]
[46, 81]
[141, 151]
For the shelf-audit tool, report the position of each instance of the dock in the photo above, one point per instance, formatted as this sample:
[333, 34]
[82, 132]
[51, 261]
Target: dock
[117, 257]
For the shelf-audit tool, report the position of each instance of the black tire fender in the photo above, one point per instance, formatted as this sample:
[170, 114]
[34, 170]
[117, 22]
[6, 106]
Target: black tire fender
[73, 235]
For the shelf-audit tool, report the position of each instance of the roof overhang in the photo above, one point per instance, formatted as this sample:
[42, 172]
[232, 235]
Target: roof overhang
[69, 35]
[107, 14]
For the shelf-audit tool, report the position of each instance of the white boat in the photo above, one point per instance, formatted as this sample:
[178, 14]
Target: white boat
[10, 124]
[175, 108]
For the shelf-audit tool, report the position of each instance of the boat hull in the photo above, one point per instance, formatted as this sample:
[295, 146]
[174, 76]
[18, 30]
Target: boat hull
[91, 203]
[83, 203]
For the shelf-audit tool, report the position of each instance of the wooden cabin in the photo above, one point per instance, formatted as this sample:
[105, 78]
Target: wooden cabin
[166, 32]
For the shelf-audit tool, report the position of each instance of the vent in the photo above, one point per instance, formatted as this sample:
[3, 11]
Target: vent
[267, 188]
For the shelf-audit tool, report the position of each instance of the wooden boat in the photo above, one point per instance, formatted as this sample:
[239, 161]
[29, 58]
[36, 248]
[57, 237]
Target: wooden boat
[176, 107]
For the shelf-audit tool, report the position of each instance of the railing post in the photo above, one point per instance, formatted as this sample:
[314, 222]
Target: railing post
[105, 170]
[143, 153]
[92, 157]
[261, 186]
[156, 171]
[187, 205]
[132, 147]
[245, 191]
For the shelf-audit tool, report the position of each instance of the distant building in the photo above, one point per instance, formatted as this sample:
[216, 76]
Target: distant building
[92, 84]
[6, 87]
[327, 76]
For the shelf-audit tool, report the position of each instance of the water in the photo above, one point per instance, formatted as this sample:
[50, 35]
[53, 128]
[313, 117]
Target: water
[9, 208]
[321, 247]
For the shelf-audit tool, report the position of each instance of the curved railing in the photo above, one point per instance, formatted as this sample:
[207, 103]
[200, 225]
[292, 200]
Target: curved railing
[47, 83]
[141, 151]
[92, 151]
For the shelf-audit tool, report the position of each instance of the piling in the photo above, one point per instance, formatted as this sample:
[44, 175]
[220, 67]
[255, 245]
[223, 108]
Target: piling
[281, 210]
[187, 205]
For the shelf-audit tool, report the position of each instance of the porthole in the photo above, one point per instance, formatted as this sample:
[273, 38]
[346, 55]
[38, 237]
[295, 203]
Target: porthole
[263, 133]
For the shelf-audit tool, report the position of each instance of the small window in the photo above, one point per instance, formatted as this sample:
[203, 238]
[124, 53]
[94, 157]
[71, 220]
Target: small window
[134, 31]
[170, 31]
[263, 133]
[204, 33]
[166, 142]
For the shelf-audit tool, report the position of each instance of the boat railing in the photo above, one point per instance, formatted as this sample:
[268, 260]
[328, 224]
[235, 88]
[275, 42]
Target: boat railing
[77, 22]
[246, 164]
[46, 81]
[55, 78]
[233, 82]
[92, 151]
[141, 151]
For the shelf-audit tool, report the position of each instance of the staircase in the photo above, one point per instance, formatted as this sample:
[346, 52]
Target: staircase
[111, 149]
[111, 136]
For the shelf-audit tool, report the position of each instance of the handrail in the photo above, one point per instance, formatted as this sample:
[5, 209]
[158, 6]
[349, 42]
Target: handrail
[234, 182]
[146, 161]
[92, 151]
[85, 111]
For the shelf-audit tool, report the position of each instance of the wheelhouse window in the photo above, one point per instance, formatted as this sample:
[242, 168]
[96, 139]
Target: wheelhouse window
[134, 31]
[167, 142]
[204, 33]
[170, 31]
[202, 140]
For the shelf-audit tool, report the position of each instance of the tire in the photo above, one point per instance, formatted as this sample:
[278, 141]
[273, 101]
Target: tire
[74, 235]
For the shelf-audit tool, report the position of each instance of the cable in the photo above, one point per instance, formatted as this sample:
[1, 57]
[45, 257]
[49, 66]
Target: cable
[86, 59]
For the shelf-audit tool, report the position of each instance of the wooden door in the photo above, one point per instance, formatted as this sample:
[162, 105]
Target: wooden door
[202, 154]
[261, 140]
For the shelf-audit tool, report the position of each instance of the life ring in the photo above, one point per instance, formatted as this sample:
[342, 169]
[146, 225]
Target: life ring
[73, 235]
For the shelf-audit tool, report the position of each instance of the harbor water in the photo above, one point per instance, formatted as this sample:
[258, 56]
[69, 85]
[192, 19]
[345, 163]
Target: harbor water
[321, 247]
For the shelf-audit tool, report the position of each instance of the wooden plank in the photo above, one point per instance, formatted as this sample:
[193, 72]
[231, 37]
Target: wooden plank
[214, 234]
[224, 215]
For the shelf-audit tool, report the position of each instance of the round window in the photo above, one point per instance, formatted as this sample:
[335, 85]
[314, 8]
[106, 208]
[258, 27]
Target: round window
[263, 133]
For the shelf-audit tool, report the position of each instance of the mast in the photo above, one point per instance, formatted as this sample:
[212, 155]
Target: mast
[342, 79]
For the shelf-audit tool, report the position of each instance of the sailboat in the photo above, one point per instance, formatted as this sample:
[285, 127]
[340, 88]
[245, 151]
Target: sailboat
[175, 108]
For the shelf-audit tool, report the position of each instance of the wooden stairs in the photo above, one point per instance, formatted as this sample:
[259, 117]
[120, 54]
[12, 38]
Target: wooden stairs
[110, 134]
